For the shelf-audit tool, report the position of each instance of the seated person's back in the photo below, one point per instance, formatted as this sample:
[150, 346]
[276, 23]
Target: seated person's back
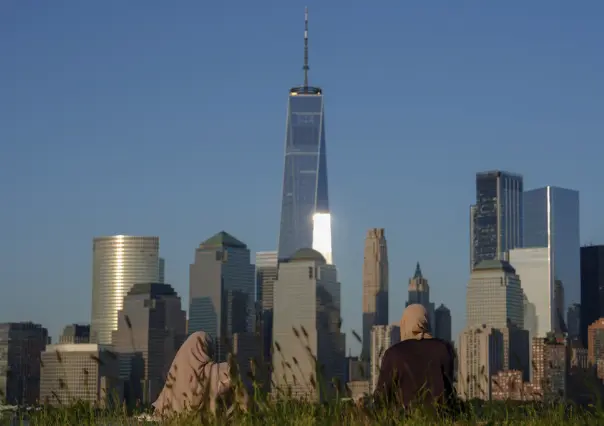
[419, 368]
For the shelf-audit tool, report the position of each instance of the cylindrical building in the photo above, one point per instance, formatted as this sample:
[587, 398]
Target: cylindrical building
[118, 262]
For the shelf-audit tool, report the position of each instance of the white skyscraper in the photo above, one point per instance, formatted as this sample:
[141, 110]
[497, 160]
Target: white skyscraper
[306, 325]
[480, 357]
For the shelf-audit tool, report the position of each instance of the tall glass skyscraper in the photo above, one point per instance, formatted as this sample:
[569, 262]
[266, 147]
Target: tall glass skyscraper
[551, 220]
[305, 217]
[497, 216]
[119, 262]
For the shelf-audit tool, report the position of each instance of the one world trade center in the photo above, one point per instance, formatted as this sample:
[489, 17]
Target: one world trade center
[305, 216]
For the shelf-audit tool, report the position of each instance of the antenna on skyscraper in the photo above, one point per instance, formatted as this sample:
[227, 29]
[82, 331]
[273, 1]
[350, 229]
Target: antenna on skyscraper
[306, 67]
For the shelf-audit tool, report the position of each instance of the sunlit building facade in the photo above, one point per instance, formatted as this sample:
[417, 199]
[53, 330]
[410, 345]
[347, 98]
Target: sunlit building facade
[309, 345]
[118, 262]
[375, 285]
[551, 221]
[382, 337]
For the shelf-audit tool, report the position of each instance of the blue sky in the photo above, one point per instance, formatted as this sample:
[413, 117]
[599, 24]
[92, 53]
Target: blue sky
[168, 118]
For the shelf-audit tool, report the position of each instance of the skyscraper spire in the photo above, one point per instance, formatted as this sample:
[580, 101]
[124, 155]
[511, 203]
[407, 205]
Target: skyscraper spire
[418, 271]
[306, 67]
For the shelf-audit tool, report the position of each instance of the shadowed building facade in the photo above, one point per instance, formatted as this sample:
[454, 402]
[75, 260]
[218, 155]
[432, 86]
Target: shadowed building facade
[419, 292]
[75, 333]
[305, 214]
[307, 327]
[375, 285]
[221, 290]
[592, 287]
[119, 262]
[151, 329]
[267, 269]
[442, 323]
[21, 346]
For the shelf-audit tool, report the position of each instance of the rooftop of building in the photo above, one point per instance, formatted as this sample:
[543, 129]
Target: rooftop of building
[500, 265]
[152, 289]
[223, 239]
[442, 307]
[497, 173]
[76, 347]
[306, 255]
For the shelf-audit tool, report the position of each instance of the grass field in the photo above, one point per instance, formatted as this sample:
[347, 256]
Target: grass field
[337, 413]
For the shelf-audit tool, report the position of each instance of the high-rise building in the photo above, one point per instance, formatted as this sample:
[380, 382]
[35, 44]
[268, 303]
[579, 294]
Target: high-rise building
[382, 337]
[375, 285]
[75, 333]
[573, 322]
[516, 350]
[442, 323]
[221, 290]
[494, 296]
[472, 253]
[550, 366]
[162, 270]
[592, 287]
[79, 372]
[551, 221]
[118, 262]
[480, 357]
[309, 345]
[267, 269]
[21, 346]
[595, 343]
[542, 294]
[419, 292]
[305, 214]
[497, 222]
[151, 329]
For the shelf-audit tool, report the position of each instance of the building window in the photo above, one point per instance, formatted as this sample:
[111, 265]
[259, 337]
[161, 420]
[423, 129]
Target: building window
[149, 303]
[310, 272]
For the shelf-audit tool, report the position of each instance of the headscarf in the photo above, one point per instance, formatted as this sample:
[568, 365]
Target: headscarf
[194, 378]
[415, 323]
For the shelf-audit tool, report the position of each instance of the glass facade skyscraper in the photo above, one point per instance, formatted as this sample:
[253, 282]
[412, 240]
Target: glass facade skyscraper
[551, 220]
[305, 220]
[592, 287]
[119, 262]
[221, 290]
[497, 216]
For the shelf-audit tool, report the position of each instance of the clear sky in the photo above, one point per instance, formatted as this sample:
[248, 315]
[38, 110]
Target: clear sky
[168, 118]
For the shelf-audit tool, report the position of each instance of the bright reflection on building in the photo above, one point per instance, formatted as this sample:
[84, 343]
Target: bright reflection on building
[321, 235]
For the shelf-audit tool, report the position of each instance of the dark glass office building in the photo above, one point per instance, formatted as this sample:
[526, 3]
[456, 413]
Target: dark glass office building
[305, 170]
[592, 287]
[497, 216]
[151, 329]
[21, 347]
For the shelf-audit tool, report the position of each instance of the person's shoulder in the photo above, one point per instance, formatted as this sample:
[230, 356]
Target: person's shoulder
[446, 345]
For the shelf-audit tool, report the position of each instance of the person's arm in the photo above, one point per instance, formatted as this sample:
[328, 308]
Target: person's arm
[383, 390]
[449, 371]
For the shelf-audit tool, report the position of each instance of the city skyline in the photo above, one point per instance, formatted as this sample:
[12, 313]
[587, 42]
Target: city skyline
[91, 190]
